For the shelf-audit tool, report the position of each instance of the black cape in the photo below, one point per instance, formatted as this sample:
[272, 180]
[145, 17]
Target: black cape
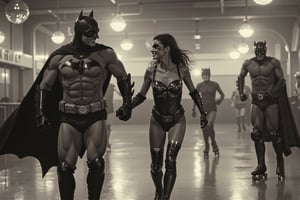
[287, 125]
[19, 133]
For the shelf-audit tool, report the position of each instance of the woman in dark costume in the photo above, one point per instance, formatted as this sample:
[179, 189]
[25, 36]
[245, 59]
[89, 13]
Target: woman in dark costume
[208, 89]
[166, 73]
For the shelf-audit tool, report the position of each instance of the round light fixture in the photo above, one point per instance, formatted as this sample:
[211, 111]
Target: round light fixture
[196, 72]
[197, 37]
[126, 44]
[243, 48]
[58, 37]
[262, 2]
[118, 23]
[234, 55]
[2, 37]
[246, 30]
[17, 11]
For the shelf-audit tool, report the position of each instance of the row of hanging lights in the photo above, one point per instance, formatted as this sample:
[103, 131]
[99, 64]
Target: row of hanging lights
[17, 12]
[119, 24]
[246, 31]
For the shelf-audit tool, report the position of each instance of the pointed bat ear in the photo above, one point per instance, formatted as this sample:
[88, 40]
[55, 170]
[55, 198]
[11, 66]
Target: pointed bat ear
[255, 43]
[80, 15]
[92, 14]
[265, 42]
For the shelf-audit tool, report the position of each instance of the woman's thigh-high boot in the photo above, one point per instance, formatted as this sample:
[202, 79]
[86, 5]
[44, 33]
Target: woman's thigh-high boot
[156, 171]
[170, 174]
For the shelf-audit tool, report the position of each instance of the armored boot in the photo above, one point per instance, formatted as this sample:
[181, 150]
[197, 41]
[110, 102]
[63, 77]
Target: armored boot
[214, 145]
[170, 175]
[156, 171]
[280, 162]
[206, 142]
[260, 171]
[66, 181]
[95, 178]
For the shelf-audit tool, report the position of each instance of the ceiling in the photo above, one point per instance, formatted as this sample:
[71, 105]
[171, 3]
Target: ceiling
[219, 20]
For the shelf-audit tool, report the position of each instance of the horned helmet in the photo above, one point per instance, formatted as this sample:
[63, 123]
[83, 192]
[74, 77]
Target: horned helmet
[206, 71]
[87, 26]
[260, 49]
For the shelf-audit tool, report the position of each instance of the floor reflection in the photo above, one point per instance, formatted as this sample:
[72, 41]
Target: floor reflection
[127, 172]
[209, 180]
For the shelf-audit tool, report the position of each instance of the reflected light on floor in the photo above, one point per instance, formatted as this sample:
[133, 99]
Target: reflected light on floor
[19, 195]
[198, 175]
[50, 183]
[238, 187]
[119, 181]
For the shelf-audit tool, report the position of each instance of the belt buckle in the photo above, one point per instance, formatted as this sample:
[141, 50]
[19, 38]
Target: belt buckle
[260, 96]
[83, 110]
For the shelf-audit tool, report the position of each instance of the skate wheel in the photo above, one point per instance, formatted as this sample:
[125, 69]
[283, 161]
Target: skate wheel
[259, 177]
[280, 178]
[217, 153]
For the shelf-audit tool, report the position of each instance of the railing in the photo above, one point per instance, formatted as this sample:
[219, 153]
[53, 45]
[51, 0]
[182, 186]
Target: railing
[6, 109]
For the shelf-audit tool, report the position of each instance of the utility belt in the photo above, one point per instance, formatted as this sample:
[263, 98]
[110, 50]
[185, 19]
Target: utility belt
[82, 109]
[262, 96]
[168, 118]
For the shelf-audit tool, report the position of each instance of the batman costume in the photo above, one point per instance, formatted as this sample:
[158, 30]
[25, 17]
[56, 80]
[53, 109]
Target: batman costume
[272, 118]
[66, 101]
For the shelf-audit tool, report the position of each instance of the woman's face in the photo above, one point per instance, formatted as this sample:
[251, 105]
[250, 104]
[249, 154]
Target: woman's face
[158, 50]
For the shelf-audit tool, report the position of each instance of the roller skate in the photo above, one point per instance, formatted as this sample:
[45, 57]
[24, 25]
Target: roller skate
[259, 173]
[280, 171]
[217, 153]
[215, 149]
[205, 154]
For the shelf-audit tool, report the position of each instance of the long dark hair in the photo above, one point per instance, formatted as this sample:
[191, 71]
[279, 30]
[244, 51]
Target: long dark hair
[178, 56]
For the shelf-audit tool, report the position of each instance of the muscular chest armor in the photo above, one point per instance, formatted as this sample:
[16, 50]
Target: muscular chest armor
[167, 94]
[82, 79]
[262, 75]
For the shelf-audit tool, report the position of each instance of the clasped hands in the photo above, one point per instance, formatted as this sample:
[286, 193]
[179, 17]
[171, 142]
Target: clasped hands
[124, 112]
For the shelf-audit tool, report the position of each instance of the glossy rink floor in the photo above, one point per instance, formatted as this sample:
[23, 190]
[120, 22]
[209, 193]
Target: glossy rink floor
[128, 177]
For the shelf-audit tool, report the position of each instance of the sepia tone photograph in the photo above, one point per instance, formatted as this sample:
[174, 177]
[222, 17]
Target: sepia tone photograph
[150, 100]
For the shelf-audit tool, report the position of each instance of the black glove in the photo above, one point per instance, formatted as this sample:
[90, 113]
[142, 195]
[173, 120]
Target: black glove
[203, 120]
[43, 120]
[240, 86]
[125, 87]
[243, 97]
[198, 102]
[137, 100]
[123, 113]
